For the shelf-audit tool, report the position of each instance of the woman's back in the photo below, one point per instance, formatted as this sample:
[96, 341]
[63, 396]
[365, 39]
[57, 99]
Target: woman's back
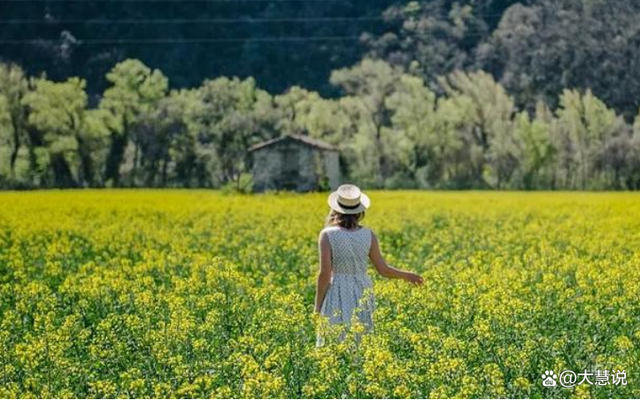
[349, 249]
[349, 281]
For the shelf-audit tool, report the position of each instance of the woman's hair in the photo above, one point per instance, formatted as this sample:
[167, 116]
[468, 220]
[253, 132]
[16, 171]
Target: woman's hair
[347, 221]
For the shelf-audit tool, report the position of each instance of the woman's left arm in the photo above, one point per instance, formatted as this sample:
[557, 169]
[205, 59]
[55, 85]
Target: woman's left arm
[324, 276]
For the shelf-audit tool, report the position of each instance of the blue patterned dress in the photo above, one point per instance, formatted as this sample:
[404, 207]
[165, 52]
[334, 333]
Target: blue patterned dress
[351, 287]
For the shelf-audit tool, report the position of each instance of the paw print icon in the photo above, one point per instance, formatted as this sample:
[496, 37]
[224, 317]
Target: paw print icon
[549, 378]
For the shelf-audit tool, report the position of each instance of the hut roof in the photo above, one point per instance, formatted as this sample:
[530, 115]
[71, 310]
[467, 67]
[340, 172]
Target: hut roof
[319, 144]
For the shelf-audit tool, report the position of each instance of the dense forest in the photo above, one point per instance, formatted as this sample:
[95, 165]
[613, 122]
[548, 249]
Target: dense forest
[536, 94]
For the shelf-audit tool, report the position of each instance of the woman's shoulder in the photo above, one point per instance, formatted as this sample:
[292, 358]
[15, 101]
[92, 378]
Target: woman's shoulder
[366, 228]
[336, 228]
[369, 231]
[328, 229]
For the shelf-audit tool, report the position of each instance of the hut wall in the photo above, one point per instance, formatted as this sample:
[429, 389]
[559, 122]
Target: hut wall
[266, 168]
[294, 166]
[308, 180]
[332, 168]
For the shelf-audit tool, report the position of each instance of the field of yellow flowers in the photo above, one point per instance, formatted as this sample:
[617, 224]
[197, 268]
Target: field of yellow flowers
[201, 294]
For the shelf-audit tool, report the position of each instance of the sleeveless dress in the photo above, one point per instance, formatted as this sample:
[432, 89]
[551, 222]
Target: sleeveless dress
[351, 287]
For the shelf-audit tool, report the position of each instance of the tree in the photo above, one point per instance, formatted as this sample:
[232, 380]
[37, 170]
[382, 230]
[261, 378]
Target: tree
[418, 138]
[431, 38]
[367, 87]
[166, 144]
[226, 119]
[488, 129]
[537, 151]
[305, 112]
[135, 89]
[539, 50]
[632, 176]
[69, 132]
[585, 124]
[6, 145]
[57, 45]
[14, 136]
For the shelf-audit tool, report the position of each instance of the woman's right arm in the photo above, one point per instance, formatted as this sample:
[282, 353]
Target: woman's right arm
[387, 270]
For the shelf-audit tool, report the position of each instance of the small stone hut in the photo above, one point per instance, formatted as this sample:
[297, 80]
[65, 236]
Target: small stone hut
[295, 162]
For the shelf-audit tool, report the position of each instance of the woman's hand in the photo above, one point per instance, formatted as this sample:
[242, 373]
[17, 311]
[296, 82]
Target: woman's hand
[414, 279]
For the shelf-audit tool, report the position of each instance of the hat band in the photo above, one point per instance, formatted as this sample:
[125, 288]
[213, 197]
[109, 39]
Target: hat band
[348, 207]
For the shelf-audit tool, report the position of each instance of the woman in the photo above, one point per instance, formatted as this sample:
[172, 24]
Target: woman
[345, 246]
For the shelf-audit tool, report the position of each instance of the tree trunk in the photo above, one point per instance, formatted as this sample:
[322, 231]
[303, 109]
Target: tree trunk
[114, 159]
[62, 172]
[165, 162]
[151, 175]
[36, 141]
[86, 163]
[382, 165]
[14, 151]
[136, 156]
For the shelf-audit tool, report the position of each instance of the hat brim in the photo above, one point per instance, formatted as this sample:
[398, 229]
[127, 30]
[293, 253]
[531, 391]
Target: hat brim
[333, 203]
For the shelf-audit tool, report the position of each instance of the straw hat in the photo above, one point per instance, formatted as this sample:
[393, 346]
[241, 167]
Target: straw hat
[348, 199]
